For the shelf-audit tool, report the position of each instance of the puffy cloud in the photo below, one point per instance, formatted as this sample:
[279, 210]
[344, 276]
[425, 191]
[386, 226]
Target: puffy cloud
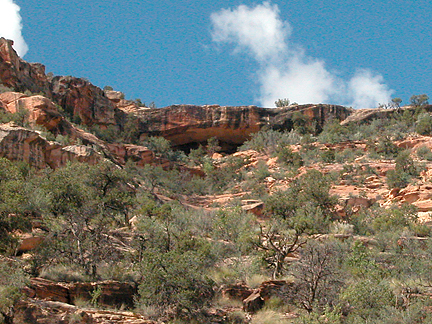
[284, 69]
[368, 89]
[10, 25]
[257, 30]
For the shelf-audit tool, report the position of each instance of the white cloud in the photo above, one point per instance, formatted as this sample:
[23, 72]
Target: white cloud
[258, 30]
[10, 25]
[368, 89]
[284, 69]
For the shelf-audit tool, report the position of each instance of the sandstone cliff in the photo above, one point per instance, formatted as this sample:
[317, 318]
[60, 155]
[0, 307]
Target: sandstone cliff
[184, 124]
[18, 74]
[81, 99]
[85, 103]
[76, 96]
[21, 144]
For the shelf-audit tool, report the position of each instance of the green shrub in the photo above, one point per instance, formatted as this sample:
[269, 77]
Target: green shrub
[424, 153]
[12, 280]
[270, 141]
[387, 148]
[424, 124]
[419, 100]
[404, 163]
[404, 170]
[288, 157]
[333, 132]
[328, 156]
[397, 179]
[282, 102]
[175, 282]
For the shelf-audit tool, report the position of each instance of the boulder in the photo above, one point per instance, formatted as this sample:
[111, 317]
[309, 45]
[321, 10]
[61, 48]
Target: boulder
[264, 292]
[254, 302]
[48, 290]
[30, 311]
[141, 155]
[274, 288]
[21, 144]
[42, 111]
[423, 205]
[113, 293]
[238, 291]
[254, 208]
[29, 243]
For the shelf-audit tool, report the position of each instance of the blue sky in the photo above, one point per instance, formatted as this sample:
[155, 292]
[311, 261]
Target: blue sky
[173, 52]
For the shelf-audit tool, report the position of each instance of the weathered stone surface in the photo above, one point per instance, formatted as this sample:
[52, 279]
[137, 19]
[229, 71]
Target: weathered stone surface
[19, 75]
[318, 114]
[80, 98]
[41, 110]
[21, 144]
[184, 124]
[30, 311]
[128, 106]
[424, 205]
[264, 292]
[254, 302]
[238, 291]
[29, 242]
[77, 97]
[255, 208]
[369, 114]
[49, 290]
[114, 96]
[273, 288]
[113, 293]
[141, 155]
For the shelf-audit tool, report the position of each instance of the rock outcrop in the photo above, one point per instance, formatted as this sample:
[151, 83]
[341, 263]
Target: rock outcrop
[185, 124]
[30, 311]
[256, 300]
[81, 99]
[312, 114]
[33, 148]
[76, 96]
[19, 75]
[181, 124]
[42, 111]
[21, 144]
[367, 115]
[112, 293]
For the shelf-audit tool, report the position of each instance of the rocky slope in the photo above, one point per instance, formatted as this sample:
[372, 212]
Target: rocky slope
[361, 182]
[185, 124]
[182, 124]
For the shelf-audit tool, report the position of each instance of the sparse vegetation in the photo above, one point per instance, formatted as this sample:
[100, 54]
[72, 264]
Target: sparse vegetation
[188, 226]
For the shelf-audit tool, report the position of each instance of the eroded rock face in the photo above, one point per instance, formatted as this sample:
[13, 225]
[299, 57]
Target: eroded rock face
[312, 114]
[113, 293]
[20, 75]
[367, 115]
[79, 97]
[184, 124]
[181, 124]
[42, 111]
[141, 155]
[30, 311]
[21, 144]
